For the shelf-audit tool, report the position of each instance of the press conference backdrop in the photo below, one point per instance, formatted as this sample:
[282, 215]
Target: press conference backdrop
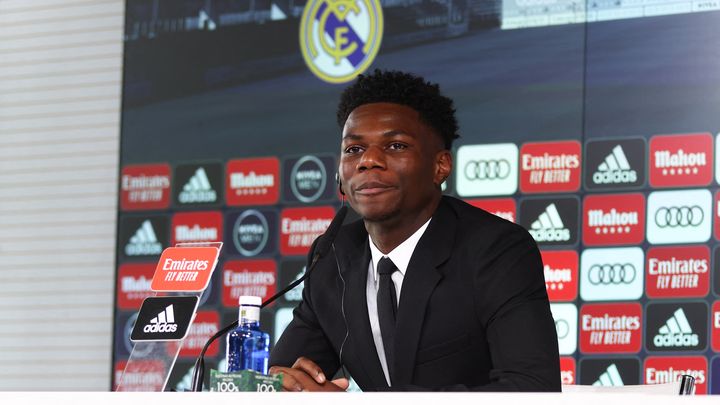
[593, 125]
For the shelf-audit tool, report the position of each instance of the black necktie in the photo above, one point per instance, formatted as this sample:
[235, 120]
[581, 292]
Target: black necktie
[387, 308]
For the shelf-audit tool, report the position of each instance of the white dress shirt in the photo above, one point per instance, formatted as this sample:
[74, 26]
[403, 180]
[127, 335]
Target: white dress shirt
[400, 256]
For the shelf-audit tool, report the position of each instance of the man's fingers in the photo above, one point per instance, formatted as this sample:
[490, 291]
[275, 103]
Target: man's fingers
[342, 383]
[289, 382]
[309, 367]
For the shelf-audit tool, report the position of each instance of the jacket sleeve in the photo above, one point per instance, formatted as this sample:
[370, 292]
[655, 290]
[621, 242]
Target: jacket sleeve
[515, 310]
[304, 336]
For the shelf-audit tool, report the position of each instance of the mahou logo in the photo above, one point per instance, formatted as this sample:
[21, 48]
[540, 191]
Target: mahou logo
[145, 187]
[715, 322]
[567, 370]
[560, 268]
[248, 277]
[299, 227]
[681, 160]
[678, 271]
[505, 208]
[252, 181]
[663, 370]
[551, 221]
[615, 163]
[673, 327]
[133, 284]
[197, 227]
[550, 167]
[614, 219]
[610, 328]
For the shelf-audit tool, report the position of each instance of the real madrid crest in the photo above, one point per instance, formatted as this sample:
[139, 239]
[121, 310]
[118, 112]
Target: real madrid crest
[340, 38]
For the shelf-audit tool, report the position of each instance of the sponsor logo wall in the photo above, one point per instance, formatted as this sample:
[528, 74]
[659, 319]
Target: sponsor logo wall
[628, 230]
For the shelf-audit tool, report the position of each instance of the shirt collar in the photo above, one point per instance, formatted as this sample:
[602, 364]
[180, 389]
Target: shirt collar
[401, 255]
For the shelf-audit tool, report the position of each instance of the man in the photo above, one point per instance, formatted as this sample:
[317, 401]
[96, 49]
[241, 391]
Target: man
[425, 292]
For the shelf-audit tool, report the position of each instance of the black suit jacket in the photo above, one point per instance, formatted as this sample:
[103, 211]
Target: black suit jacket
[473, 311]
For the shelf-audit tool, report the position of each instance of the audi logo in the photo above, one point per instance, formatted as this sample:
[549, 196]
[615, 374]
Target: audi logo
[562, 328]
[605, 274]
[487, 169]
[679, 217]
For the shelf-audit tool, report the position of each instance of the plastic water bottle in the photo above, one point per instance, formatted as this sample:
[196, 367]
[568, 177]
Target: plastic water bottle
[248, 348]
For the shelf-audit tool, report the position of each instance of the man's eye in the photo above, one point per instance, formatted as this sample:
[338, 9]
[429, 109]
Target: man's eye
[397, 146]
[352, 149]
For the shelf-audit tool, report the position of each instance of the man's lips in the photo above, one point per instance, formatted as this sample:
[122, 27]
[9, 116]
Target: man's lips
[372, 188]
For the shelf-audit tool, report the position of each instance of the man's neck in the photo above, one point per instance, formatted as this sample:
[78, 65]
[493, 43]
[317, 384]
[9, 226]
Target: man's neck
[390, 233]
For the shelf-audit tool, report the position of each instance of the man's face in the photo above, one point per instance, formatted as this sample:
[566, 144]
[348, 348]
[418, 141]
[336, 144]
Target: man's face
[391, 163]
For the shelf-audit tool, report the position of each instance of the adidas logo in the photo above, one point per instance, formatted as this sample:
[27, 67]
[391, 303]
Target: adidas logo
[144, 242]
[610, 378]
[676, 332]
[549, 227]
[163, 322]
[615, 169]
[198, 189]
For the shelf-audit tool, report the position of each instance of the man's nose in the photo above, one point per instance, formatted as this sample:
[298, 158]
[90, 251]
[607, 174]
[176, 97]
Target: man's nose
[373, 157]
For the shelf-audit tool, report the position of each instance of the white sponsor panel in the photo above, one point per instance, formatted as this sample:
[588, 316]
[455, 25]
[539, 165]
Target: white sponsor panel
[612, 274]
[485, 170]
[283, 316]
[565, 316]
[683, 216]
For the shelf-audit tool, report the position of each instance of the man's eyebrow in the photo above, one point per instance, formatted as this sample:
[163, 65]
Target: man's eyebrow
[355, 137]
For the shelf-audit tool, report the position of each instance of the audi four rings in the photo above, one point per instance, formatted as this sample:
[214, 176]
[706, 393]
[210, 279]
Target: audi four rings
[673, 217]
[611, 274]
[487, 169]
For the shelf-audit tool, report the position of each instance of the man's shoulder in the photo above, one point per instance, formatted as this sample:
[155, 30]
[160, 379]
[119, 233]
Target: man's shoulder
[476, 223]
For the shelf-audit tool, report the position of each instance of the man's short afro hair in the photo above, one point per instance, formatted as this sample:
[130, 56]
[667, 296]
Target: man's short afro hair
[390, 86]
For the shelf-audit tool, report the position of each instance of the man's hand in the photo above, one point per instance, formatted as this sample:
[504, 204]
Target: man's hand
[305, 375]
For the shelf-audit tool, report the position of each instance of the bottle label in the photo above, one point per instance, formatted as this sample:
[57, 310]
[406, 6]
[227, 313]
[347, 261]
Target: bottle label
[249, 314]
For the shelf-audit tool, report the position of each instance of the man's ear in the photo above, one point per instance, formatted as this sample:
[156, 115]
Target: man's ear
[443, 166]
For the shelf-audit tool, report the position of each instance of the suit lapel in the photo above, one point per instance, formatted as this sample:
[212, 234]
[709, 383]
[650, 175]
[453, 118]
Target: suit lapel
[355, 270]
[420, 280]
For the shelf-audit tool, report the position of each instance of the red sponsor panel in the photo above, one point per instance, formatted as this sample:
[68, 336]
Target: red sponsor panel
[550, 167]
[248, 277]
[299, 227]
[185, 269]
[142, 375]
[611, 328]
[145, 187]
[715, 326]
[677, 272]
[190, 227]
[206, 324]
[663, 370]
[252, 181]
[133, 284]
[567, 370]
[560, 268]
[681, 160]
[614, 219]
[505, 208]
